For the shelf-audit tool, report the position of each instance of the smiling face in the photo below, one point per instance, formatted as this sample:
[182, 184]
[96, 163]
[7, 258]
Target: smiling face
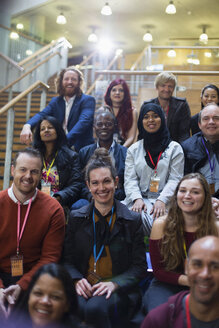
[151, 122]
[47, 132]
[104, 127]
[209, 124]
[165, 90]
[209, 96]
[190, 196]
[70, 83]
[117, 94]
[202, 269]
[102, 186]
[47, 301]
[26, 174]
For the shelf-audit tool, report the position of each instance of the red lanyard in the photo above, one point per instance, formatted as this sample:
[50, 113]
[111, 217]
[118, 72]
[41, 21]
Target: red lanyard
[155, 167]
[19, 234]
[188, 319]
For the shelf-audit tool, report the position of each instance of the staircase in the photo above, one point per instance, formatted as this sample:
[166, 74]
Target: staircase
[20, 119]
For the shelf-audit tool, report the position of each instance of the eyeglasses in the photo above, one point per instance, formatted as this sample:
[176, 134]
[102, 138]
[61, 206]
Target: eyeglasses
[107, 124]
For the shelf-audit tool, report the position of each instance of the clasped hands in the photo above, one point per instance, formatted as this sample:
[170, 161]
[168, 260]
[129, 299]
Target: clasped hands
[8, 297]
[157, 210]
[84, 288]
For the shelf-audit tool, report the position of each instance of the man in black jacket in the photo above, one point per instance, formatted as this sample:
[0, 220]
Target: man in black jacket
[202, 149]
[176, 109]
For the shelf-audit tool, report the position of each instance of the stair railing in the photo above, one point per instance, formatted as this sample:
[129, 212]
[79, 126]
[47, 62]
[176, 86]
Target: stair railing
[9, 108]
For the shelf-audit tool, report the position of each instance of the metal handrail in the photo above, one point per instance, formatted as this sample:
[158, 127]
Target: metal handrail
[22, 95]
[12, 62]
[28, 72]
[10, 124]
[128, 72]
[139, 58]
[87, 59]
[101, 76]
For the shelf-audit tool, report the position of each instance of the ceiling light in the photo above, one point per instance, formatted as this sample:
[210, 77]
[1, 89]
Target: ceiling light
[119, 52]
[147, 37]
[106, 10]
[20, 26]
[61, 19]
[105, 46]
[170, 9]
[203, 37]
[14, 36]
[171, 53]
[208, 54]
[92, 38]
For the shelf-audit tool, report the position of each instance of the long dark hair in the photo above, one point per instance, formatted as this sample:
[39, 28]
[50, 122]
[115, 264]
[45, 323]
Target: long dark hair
[61, 137]
[125, 114]
[21, 314]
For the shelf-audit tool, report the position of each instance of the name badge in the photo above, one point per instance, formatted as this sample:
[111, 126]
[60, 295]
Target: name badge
[154, 184]
[93, 278]
[17, 265]
[212, 188]
[46, 187]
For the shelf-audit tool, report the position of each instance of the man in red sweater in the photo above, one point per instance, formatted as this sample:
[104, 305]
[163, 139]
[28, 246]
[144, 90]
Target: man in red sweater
[32, 228]
[200, 307]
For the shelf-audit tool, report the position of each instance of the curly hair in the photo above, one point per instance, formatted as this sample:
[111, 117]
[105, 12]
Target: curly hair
[125, 114]
[59, 86]
[171, 247]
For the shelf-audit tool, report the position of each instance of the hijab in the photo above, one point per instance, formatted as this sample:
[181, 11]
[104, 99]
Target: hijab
[155, 142]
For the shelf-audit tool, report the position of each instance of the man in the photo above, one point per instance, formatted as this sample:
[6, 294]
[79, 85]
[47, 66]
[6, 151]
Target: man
[176, 110]
[104, 127]
[32, 227]
[202, 149]
[72, 108]
[200, 307]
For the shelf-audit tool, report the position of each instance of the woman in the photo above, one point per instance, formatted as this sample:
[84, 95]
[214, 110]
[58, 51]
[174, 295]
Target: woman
[209, 94]
[153, 166]
[50, 301]
[190, 217]
[61, 169]
[104, 251]
[118, 98]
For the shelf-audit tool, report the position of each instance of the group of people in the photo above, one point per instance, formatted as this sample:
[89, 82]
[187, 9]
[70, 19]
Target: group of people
[118, 192]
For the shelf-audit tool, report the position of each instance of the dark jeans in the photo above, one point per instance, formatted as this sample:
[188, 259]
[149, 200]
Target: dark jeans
[158, 293]
[100, 312]
[8, 280]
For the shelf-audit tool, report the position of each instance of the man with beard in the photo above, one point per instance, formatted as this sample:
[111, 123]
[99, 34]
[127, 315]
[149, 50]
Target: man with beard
[200, 307]
[177, 111]
[72, 108]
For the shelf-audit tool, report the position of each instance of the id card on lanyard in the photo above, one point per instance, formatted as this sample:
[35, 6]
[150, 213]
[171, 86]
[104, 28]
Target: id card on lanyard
[155, 179]
[17, 260]
[45, 185]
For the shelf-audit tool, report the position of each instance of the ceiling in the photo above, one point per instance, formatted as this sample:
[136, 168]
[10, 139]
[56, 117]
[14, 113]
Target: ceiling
[126, 26]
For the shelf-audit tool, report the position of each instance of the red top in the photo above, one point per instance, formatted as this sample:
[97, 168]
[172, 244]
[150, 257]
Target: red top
[42, 239]
[159, 271]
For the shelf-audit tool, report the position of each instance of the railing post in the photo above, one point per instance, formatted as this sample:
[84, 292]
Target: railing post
[43, 100]
[8, 152]
[28, 106]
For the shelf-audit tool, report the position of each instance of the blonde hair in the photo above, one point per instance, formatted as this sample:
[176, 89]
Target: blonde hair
[164, 77]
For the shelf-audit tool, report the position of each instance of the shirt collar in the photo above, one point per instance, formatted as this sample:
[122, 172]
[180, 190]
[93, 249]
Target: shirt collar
[112, 147]
[14, 199]
[70, 101]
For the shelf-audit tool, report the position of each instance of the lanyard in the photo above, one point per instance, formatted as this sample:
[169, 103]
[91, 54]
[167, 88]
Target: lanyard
[44, 164]
[184, 246]
[97, 256]
[20, 233]
[188, 319]
[155, 166]
[212, 165]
